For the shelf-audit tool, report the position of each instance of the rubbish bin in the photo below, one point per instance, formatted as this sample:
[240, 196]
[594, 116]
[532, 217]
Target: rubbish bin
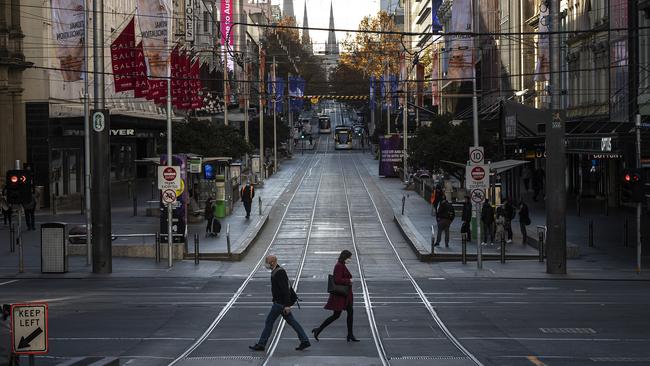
[220, 209]
[54, 248]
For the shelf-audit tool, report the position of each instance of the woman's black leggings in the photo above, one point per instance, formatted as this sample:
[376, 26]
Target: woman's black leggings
[336, 315]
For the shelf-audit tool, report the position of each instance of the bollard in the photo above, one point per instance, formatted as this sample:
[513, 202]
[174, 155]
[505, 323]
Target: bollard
[464, 247]
[503, 249]
[479, 256]
[21, 263]
[135, 206]
[153, 189]
[591, 233]
[228, 238]
[403, 203]
[130, 188]
[259, 204]
[196, 248]
[157, 247]
[540, 244]
[625, 232]
[12, 238]
[433, 239]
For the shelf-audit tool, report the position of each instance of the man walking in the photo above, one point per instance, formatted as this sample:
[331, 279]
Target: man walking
[247, 194]
[281, 306]
[466, 227]
[444, 217]
[29, 208]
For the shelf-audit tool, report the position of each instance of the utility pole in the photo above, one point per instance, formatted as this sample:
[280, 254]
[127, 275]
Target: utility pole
[261, 86]
[275, 116]
[101, 158]
[638, 204]
[87, 162]
[405, 124]
[555, 158]
[170, 159]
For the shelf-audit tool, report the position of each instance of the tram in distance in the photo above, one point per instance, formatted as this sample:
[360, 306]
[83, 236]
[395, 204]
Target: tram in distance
[325, 124]
[343, 138]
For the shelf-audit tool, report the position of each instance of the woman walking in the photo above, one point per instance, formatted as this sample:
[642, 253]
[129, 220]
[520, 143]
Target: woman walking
[338, 303]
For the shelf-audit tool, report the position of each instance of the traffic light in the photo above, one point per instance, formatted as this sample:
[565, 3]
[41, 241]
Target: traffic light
[632, 189]
[19, 186]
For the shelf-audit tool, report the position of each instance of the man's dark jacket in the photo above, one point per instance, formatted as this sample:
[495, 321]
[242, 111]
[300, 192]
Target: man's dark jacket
[467, 212]
[280, 286]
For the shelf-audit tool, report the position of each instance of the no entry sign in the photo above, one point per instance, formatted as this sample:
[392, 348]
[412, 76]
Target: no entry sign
[169, 177]
[477, 179]
[478, 173]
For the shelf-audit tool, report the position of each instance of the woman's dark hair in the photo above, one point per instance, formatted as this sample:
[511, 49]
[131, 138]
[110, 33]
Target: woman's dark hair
[345, 254]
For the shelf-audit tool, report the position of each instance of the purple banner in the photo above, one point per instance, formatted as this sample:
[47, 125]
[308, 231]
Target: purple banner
[226, 22]
[391, 155]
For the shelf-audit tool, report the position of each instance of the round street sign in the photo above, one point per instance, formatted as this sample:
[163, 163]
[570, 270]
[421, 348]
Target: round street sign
[476, 155]
[169, 196]
[478, 173]
[99, 122]
[169, 174]
[478, 196]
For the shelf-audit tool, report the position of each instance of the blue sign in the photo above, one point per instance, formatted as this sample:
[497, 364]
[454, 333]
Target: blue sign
[436, 26]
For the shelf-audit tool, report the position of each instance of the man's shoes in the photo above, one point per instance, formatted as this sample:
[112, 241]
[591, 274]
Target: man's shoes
[302, 346]
[509, 241]
[257, 347]
[436, 244]
[248, 217]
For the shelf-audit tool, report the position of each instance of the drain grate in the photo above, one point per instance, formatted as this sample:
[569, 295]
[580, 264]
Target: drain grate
[620, 359]
[208, 358]
[568, 330]
[429, 358]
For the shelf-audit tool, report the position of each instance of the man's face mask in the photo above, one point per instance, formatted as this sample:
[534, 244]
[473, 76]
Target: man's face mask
[267, 265]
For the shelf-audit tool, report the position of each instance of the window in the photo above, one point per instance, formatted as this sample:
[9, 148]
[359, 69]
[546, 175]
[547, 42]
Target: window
[206, 22]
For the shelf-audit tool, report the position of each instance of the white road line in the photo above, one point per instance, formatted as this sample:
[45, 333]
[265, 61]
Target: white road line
[331, 252]
[66, 339]
[240, 290]
[8, 282]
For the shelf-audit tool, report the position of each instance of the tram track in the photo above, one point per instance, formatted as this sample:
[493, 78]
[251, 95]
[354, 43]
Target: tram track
[418, 290]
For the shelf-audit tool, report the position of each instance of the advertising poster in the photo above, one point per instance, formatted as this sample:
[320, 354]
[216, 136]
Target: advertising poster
[153, 20]
[391, 155]
[460, 61]
[68, 27]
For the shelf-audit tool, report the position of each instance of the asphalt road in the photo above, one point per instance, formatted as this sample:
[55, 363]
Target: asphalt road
[330, 206]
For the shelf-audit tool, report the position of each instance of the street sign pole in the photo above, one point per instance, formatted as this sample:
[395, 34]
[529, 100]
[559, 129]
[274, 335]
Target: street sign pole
[169, 143]
[555, 159]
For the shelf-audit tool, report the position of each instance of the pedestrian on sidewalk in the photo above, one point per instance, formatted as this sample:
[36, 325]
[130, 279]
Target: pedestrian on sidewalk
[467, 219]
[444, 216]
[209, 215]
[524, 220]
[30, 208]
[538, 182]
[510, 214]
[500, 223]
[487, 218]
[525, 176]
[336, 302]
[436, 196]
[6, 210]
[247, 194]
[283, 299]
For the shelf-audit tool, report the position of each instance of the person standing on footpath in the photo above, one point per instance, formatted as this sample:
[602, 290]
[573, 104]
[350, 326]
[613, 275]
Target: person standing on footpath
[509, 215]
[30, 208]
[524, 220]
[487, 217]
[466, 227]
[6, 210]
[282, 302]
[338, 303]
[247, 194]
[444, 217]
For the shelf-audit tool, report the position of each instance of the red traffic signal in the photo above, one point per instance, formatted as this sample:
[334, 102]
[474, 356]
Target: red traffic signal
[13, 179]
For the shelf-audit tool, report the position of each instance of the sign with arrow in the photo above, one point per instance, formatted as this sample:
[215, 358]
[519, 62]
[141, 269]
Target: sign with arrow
[29, 328]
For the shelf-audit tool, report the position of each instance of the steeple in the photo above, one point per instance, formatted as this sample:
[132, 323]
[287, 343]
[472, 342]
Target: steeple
[332, 45]
[287, 9]
[306, 40]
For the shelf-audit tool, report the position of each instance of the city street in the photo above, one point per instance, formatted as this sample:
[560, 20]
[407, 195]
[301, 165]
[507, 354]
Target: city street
[406, 312]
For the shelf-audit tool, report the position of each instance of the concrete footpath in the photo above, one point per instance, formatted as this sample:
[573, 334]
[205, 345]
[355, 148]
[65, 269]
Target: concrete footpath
[242, 234]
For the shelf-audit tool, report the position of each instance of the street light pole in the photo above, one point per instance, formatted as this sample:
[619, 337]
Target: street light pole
[87, 162]
[101, 180]
[275, 116]
[261, 87]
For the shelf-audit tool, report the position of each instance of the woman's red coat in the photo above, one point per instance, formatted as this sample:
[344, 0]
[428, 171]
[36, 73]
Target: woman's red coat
[341, 277]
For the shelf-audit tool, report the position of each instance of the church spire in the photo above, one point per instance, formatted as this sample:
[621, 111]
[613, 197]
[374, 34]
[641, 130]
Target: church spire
[287, 9]
[306, 40]
[332, 45]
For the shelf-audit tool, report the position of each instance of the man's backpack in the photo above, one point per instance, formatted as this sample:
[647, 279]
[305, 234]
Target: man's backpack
[293, 297]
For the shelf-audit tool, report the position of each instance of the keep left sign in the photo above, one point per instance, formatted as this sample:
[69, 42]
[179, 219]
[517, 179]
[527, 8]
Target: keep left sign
[29, 328]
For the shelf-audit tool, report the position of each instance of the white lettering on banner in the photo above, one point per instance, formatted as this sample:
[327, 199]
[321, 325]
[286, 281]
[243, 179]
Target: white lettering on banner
[189, 20]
